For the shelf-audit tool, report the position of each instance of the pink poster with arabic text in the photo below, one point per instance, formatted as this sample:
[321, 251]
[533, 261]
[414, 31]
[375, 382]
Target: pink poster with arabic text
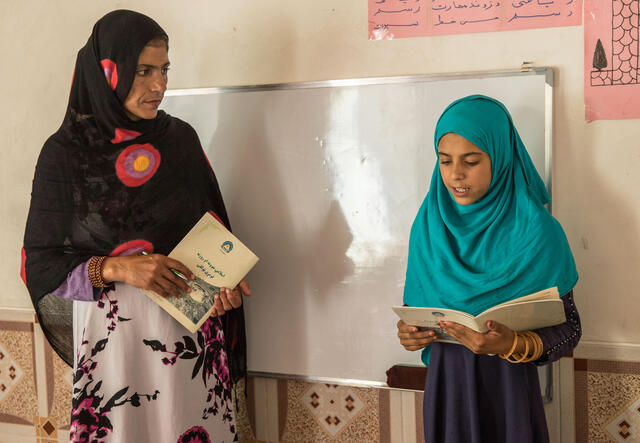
[414, 18]
[612, 80]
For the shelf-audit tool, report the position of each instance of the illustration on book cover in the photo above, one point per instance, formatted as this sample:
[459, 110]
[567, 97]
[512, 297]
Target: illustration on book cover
[197, 303]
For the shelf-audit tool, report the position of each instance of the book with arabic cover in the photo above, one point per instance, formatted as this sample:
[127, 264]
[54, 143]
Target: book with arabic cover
[533, 311]
[217, 259]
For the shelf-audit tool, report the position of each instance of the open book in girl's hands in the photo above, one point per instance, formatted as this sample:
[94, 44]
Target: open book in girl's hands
[534, 311]
[217, 259]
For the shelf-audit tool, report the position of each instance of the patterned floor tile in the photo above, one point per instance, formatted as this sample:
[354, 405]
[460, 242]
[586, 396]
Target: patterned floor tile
[10, 373]
[625, 426]
[329, 413]
[46, 428]
[607, 401]
[332, 406]
[19, 404]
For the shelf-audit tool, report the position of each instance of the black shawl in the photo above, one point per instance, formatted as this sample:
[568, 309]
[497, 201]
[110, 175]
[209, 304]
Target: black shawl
[89, 195]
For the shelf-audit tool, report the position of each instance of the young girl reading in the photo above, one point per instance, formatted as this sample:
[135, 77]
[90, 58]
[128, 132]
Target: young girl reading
[483, 237]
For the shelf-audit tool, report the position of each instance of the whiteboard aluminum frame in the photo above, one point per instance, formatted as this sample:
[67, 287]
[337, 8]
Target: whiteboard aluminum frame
[547, 391]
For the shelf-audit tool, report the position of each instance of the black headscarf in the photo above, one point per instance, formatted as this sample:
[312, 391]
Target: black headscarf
[105, 185]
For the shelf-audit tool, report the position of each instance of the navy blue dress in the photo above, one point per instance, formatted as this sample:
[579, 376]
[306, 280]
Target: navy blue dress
[473, 398]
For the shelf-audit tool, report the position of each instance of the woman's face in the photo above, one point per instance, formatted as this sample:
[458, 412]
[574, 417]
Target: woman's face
[465, 168]
[149, 83]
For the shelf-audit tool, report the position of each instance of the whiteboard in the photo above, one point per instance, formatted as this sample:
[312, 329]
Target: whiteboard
[322, 181]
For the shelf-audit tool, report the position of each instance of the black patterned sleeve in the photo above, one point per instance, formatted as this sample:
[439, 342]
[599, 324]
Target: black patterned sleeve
[560, 340]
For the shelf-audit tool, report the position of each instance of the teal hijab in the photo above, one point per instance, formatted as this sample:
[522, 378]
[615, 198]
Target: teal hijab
[501, 247]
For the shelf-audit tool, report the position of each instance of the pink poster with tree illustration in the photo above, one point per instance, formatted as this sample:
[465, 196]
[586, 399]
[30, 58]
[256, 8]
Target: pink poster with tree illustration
[612, 81]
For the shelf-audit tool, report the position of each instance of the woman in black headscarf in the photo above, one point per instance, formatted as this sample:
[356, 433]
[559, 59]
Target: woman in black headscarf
[120, 177]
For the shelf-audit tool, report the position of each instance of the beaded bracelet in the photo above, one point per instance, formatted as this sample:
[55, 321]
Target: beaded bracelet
[95, 272]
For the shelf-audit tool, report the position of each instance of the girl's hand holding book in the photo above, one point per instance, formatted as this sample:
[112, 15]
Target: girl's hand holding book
[497, 340]
[413, 339]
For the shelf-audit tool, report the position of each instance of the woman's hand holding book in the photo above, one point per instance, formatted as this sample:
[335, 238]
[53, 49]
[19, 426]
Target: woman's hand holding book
[229, 299]
[149, 271]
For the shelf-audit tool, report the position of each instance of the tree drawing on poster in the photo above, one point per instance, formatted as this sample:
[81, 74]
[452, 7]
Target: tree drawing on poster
[612, 37]
[599, 57]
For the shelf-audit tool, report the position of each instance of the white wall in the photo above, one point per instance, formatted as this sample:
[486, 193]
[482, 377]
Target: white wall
[596, 169]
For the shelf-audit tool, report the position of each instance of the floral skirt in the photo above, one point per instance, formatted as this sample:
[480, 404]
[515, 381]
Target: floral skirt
[140, 376]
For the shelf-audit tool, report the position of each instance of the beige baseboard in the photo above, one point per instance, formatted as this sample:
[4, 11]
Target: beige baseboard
[600, 350]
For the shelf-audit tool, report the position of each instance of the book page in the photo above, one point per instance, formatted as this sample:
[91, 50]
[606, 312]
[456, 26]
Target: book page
[545, 294]
[525, 316]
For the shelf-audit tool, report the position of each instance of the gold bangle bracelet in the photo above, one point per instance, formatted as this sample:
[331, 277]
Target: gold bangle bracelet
[513, 347]
[536, 347]
[533, 348]
[520, 358]
[538, 340]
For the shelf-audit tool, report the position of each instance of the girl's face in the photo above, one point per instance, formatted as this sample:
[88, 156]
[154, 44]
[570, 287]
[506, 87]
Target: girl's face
[465, 168]
[149, 83]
